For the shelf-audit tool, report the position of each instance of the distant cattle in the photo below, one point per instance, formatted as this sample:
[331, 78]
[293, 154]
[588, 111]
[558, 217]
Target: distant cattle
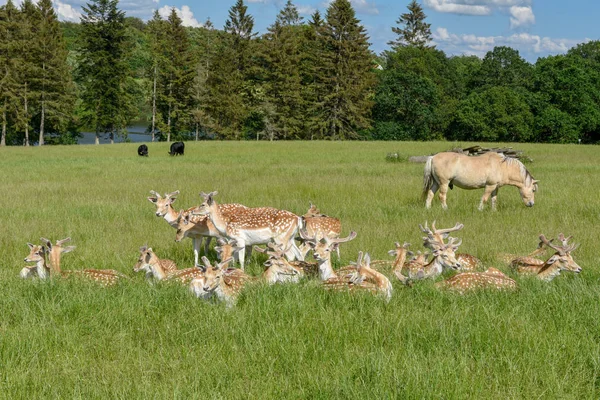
[177, 148]
[143, 150]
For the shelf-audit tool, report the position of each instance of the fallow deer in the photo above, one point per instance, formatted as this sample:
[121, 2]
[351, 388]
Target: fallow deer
[467, 261]
[562, 260]
[193, 226]
[215, 280]
[322, 252]
[155, 267]
[465, 282]
[319, 225]
[227, 248]
[363, 277]
[37, 255]
[400, 254]
[251, 226]
[531, 258]
[416, 263]
[281, 270]
[54, 252]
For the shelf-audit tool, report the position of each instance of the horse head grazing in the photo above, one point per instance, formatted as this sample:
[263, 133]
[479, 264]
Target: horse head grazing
[528, 190]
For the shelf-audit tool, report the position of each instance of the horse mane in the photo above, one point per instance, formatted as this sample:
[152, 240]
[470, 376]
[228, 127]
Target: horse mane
[525, 174]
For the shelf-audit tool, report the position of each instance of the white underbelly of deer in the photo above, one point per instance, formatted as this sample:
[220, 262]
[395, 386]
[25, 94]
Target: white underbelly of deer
[255, 236]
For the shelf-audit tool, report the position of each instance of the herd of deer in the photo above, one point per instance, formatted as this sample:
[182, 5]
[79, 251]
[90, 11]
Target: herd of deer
[238, 228]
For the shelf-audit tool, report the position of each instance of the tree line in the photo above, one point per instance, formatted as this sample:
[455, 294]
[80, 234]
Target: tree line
[310, 80]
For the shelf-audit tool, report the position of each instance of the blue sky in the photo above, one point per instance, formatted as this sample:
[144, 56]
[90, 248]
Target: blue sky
[536, 28]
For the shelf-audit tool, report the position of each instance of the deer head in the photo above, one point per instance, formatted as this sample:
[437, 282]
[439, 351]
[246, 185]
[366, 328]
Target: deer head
[207, 204]
[55, 251]
[438, 235]
[212, 274]
[563, 254]
[322, 248]
[162, 203]
[147, 257]
[227, 248]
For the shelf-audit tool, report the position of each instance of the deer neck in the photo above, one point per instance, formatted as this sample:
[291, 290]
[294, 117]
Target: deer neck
[157, 270]
[382, 282]
[55, 260]
[399, 261]
[326, 270]
[549, 271]
[42, 269]
[434, 268]
[218, 219]
[171, 216]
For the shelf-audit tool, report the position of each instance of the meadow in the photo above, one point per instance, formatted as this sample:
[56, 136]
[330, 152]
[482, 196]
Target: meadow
[72, 339]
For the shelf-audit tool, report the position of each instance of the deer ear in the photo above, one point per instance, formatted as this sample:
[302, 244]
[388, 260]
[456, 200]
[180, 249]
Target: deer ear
[552, 259]
[31, 245]
[392, 252]
[152, 199]
[201, 267]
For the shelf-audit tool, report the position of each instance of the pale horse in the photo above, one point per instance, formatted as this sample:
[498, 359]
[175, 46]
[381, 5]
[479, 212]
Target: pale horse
[490, 171]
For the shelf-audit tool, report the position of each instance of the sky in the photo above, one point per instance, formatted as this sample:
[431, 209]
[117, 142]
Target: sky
[536, 28]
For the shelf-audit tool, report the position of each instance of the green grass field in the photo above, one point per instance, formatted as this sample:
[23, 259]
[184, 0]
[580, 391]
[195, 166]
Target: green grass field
[70, 339]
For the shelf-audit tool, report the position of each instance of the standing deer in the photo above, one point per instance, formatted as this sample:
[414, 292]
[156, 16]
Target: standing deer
[318, 226]
[251, 226]
[215, 280]
[470, 281]
[552, 267]
[322, 252]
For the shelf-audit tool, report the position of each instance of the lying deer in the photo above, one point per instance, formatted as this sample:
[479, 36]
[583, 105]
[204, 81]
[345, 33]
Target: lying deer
[251, 226]
[281, 270]
[322, 251]
[400, 254]
[443, 253]
[561, 260]
[471, 281]
[162, 269]
[216, 280]
[44, 269]
[467, 261]
[362, 277]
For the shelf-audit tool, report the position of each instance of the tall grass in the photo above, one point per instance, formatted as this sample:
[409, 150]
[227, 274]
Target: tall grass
[70, 339]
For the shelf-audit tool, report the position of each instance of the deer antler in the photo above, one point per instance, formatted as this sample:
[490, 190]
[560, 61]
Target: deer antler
[564, 240]
[63, 241]
[548, 243]
[348, 238]
[155, 193]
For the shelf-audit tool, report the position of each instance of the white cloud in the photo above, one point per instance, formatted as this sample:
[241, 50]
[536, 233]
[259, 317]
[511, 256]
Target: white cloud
[186, 15]
[66, 12]
[306, 10]
[521, 16]
[520, 11]
[480, 45]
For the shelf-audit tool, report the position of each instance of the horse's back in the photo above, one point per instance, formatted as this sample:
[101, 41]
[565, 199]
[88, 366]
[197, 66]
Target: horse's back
[464, 171]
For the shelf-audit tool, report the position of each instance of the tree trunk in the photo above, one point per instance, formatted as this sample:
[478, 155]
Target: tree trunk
[154, 102]
[97, 136]
[197, 133]
[3, 139]
[112, 135]
[43, 116]
[26, 119]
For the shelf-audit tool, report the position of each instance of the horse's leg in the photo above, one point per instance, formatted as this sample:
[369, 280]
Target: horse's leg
[431, 193]
[489, 189]
[494, 198]
[443, 192]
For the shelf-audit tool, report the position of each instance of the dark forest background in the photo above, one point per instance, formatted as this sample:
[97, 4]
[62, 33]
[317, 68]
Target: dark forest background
[309, 79]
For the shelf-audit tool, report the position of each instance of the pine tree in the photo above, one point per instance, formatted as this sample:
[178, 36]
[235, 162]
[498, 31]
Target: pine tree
[9, 63]
[413, 31]
[348, 68]
[283, 112]
[156, 29]
[103, 72]
[55, 86]
[178, 78]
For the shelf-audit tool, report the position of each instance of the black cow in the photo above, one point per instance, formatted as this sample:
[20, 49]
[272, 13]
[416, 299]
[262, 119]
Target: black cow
[177, 148]
[143, 150]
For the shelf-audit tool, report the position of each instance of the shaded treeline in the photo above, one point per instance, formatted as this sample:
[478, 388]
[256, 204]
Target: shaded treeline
[302, 79]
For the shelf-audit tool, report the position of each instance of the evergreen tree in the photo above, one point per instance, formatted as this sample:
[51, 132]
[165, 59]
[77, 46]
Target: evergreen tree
[55, 86]
[177, 78]
[9, 63]
[284, 92]
[157, 31]
[348, 68]
[102, 71]
[413, 30]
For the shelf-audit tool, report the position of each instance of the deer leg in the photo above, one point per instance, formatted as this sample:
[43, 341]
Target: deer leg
[486, 195]
[494, 198]
[431, 193]
[242, 252]
[197, 241]
[207, 240]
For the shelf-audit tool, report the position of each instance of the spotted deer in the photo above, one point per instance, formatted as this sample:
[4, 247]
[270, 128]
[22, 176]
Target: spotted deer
[154, 267]
[400, 254]
[319, 226]
[467, 261]
[227, 248]
[216, 280]
[322, 251]
[362, 277]
[251, 226]
[281, 270]
[416, 263]
[465, 282]
[53, 253]
[443, 253]
[561, 260]
[531, 258]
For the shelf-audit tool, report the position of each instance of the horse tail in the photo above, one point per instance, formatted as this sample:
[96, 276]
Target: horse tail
[427, 176]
